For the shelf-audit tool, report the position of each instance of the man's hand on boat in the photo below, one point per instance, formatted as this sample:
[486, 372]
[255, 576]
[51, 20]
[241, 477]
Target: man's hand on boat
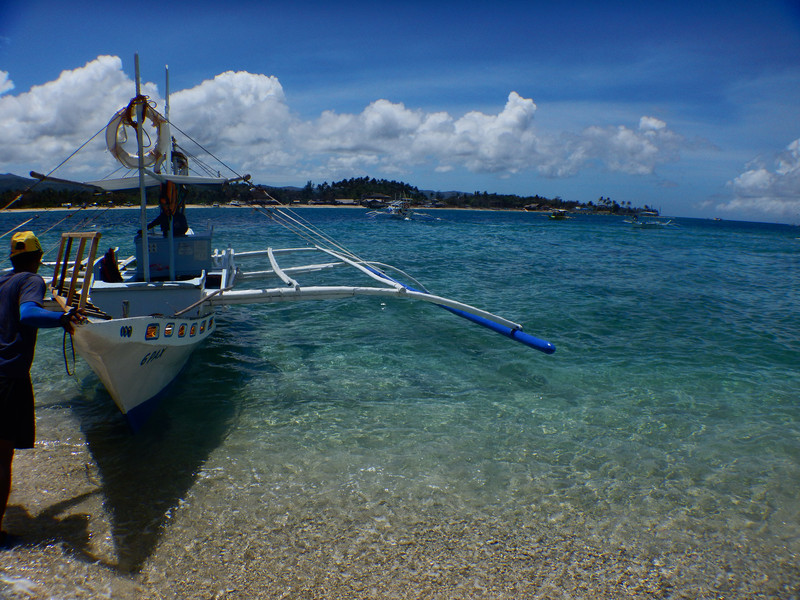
[75, 316]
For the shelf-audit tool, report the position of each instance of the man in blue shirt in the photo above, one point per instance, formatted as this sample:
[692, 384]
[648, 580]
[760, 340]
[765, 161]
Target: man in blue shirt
[21, 313]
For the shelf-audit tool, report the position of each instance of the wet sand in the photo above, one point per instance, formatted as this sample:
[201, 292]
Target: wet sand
[68, 549]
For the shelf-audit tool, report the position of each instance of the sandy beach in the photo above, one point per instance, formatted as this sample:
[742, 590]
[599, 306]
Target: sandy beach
[67, 549]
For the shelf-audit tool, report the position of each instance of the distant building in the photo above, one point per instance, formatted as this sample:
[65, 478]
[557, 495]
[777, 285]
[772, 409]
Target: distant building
[375, 201]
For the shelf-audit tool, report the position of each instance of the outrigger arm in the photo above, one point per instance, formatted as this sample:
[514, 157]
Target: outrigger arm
[293, 291]
[485, 319]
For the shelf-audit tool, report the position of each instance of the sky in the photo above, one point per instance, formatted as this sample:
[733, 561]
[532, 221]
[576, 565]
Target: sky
[689, 107]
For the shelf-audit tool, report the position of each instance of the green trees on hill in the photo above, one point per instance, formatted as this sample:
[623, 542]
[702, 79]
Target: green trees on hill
[356, 190]
[45, 198]
[360, 188]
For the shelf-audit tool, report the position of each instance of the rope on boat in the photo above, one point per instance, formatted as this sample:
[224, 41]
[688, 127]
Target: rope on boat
[69, 216]
[204, 149]
[195, 160]
[40, 179]
[140, 105]
[33, 185]
[20, 225]
[307, 231]
[400, 271]
[202, 300]
[64, 348]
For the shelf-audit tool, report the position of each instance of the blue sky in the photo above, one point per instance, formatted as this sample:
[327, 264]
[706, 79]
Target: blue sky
[691, 107]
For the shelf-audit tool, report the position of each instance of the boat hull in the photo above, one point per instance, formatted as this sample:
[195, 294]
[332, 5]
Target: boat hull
[137, 357]
[650, 225]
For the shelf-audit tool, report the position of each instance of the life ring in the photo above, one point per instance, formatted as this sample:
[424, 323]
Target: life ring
[126, 117]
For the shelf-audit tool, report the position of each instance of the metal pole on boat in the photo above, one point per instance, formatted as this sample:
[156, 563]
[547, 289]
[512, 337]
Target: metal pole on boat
[170, 235]
[166, 125]
[142, 191]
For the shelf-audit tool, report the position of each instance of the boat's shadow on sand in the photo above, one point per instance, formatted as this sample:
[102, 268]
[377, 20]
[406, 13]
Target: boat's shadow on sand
[145, 476]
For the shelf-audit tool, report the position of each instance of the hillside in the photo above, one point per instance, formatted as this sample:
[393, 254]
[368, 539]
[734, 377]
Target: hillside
[362, 190]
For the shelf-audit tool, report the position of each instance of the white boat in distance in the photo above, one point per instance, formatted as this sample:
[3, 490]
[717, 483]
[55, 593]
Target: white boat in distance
[149, 312]
[400, 210]
[649, 220]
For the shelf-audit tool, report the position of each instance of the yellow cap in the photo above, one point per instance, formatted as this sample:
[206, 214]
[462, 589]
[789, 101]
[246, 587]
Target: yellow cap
[24, 241]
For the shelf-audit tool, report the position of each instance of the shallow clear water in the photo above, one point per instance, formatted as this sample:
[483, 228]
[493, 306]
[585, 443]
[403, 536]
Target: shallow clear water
[313, 438]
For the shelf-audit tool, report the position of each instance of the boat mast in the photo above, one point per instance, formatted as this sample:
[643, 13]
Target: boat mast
[142, 191]
[170, 169]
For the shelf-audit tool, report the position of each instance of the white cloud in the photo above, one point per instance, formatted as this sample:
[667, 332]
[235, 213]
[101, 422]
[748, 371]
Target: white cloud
[234, 108]
[240, 117]
[42, 127]
[6, 84]
[775, 192]
[505, 142]
[621, 149]
[651, 124]
[391, 135]
[245, 119]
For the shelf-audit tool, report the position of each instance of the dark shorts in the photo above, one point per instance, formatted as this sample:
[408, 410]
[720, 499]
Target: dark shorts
[17, 421]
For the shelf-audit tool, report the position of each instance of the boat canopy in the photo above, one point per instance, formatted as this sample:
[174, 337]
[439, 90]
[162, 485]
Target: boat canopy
[151, 179]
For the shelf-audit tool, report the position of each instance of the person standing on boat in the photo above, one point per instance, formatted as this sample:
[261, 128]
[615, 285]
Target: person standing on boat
[22, 292]
[172, 208]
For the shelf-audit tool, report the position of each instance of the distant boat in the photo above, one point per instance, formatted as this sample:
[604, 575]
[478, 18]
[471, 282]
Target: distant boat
[559, 214]
[400, 210]
[649, 220]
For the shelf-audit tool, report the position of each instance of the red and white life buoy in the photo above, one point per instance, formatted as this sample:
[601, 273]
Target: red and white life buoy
[126, 117]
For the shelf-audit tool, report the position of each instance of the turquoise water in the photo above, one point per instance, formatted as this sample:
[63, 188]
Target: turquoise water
[393, 446]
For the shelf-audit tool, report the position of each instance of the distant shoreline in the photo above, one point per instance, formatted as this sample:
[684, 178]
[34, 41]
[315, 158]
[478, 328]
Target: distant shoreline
[313, 206]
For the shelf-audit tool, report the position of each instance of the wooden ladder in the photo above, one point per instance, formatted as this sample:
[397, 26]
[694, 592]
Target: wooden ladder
[72, 278]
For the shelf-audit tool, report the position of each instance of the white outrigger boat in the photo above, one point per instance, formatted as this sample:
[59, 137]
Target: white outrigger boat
[648, 220]
[146, 314]
[400, 210]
